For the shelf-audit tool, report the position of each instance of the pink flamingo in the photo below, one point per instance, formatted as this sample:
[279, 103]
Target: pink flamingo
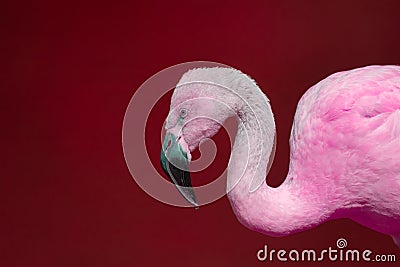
[345, 148]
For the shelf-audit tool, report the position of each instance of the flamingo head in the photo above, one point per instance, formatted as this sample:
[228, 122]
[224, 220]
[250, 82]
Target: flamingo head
[196, 113]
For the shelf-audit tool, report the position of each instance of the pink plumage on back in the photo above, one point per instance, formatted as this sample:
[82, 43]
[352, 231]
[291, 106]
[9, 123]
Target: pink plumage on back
[352, 120]
[345, 148]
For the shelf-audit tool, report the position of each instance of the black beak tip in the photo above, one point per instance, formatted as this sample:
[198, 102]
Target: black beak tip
[180, 178]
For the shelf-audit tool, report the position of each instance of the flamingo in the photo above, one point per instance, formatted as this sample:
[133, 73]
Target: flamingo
[344, 148]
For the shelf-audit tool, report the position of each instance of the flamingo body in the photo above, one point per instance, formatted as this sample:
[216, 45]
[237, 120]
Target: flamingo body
[346, 136]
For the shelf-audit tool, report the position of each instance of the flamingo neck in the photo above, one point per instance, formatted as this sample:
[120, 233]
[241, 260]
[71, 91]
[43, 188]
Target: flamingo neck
[272, 211]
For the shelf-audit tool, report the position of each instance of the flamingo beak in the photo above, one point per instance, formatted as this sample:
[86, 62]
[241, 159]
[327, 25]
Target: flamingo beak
[175, 163]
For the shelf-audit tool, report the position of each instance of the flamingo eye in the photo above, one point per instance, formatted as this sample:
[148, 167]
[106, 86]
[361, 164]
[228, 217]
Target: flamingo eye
[183, 113]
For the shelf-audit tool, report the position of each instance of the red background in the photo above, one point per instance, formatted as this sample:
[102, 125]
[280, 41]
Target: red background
[68, 72]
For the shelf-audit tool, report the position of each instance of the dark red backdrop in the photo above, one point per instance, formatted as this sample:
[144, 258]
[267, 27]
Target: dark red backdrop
[68, 73]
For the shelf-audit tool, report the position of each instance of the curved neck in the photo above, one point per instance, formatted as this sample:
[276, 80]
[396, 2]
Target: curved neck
[272, 211]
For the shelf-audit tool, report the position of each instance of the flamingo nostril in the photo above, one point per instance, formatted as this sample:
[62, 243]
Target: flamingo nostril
[168, 145]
